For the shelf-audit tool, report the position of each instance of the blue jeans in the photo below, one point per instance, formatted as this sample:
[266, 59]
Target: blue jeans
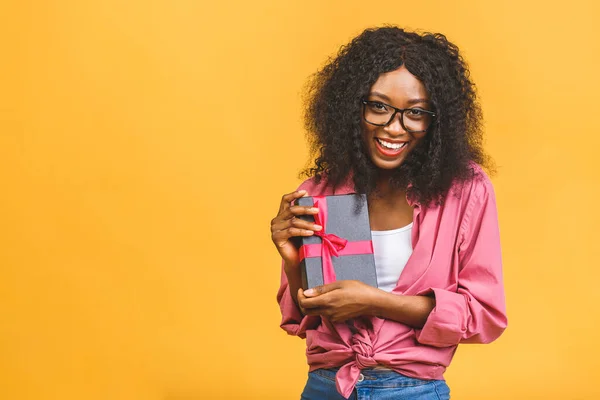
[375, 384]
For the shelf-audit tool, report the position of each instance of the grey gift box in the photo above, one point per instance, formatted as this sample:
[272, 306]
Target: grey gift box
[348, 218]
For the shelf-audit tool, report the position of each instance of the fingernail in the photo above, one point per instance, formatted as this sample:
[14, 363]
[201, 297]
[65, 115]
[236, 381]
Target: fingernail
[318, 227]
[314, 209]
[302, 191]
[308, 292]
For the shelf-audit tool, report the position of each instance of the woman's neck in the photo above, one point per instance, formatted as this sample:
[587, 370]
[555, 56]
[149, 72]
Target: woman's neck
[388, 207]
[385, 188]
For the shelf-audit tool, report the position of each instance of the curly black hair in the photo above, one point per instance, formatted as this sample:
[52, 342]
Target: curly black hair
[333, 114]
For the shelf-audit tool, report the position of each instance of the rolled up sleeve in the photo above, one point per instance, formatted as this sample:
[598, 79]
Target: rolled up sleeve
[476, 311]
[292, 320]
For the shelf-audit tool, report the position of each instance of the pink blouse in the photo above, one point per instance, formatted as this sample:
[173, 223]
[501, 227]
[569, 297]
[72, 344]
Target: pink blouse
[456, 256]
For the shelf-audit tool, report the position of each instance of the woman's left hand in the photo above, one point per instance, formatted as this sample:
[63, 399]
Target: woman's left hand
[340, 300]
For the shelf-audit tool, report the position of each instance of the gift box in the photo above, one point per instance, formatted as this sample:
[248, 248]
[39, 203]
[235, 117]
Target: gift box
[343, 248]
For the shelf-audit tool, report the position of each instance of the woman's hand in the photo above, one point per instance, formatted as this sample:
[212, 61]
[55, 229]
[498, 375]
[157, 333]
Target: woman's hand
[286, 225]
[340, 300]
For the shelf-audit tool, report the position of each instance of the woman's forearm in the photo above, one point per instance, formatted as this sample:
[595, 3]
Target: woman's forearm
[409, 310]
[294, 281]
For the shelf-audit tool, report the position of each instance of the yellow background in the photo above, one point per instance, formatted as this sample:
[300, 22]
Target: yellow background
[144, 147]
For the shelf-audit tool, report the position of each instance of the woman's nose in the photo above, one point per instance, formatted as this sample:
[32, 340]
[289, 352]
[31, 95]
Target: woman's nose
[395, 126]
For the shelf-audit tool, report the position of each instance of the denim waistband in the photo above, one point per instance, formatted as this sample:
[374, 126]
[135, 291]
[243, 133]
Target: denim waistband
[375, 376]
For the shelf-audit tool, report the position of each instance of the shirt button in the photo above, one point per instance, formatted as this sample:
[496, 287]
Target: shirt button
[361, 377]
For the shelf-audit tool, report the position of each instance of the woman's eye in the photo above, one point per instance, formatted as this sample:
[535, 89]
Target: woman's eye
[378, 107]
[415, 112]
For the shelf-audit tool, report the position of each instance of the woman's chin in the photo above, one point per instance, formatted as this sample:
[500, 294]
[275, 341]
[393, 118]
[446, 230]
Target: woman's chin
[386, 165]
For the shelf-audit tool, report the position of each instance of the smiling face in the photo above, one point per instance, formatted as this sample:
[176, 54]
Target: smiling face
[388, 146]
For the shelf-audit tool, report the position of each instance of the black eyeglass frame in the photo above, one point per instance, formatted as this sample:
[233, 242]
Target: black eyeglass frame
[396, 111]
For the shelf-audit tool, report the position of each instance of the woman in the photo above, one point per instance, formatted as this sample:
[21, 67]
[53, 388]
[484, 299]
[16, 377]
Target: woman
[395, 116]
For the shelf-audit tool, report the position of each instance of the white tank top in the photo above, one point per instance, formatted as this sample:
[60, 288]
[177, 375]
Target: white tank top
[391, 251]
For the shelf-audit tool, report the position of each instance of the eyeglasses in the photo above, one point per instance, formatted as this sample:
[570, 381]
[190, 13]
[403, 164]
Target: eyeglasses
[413, 120]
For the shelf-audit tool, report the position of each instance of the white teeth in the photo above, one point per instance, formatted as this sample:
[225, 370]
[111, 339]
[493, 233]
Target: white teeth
[393, 146]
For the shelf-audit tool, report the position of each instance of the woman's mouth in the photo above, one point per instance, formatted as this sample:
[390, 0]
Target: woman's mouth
[389, 149]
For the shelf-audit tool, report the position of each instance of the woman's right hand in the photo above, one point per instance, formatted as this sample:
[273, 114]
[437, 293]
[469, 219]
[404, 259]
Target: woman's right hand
[286, 225]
